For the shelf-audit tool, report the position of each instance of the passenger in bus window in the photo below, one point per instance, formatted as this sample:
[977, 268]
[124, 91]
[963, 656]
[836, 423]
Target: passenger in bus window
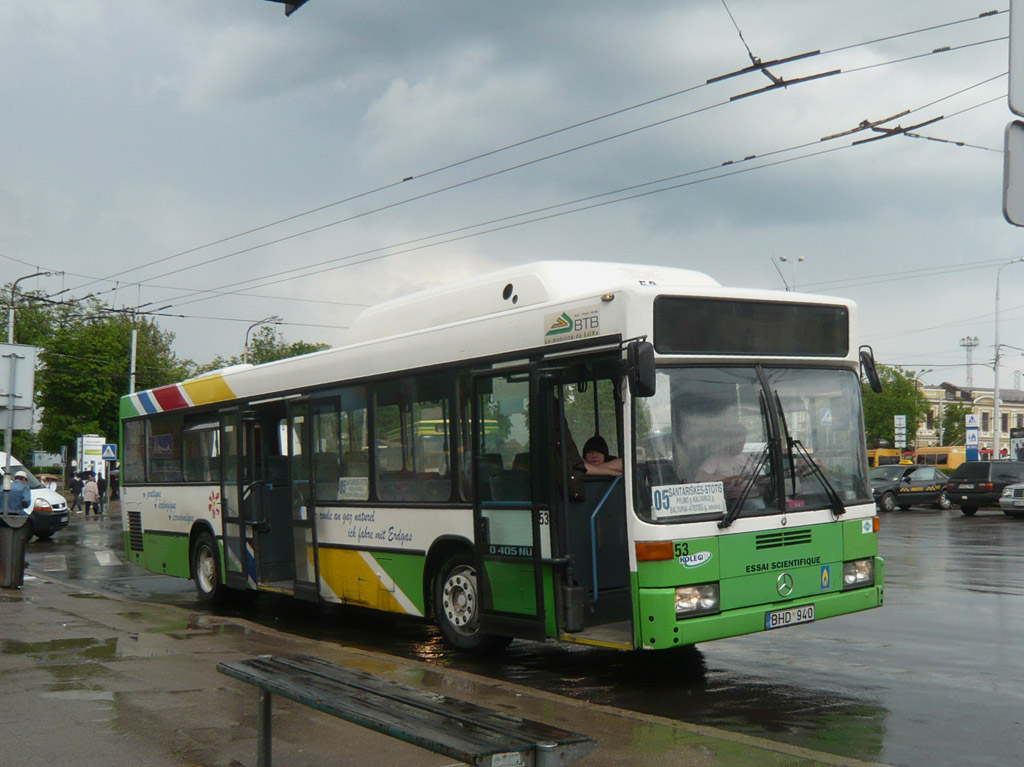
[728, 463]
[596, 459]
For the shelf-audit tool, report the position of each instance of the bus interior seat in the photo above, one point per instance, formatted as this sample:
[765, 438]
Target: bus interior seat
[356, 464]
[489, 465]
[326, 466]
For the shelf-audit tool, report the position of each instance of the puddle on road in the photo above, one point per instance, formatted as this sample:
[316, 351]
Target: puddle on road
[85, 647]
[102, 695]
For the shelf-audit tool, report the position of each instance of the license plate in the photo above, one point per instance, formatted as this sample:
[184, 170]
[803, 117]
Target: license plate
[966, 487]
[1018, 503]
[778, 619]
[64, 518]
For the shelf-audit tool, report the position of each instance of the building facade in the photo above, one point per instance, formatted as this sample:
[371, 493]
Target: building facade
[979, 402]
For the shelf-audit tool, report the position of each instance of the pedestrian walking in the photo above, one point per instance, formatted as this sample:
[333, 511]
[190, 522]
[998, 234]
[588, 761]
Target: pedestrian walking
[101, 486]
[91, 495]
[76, 492]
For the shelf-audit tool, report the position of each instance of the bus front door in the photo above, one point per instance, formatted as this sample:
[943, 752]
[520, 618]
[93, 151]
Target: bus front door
[511, 530]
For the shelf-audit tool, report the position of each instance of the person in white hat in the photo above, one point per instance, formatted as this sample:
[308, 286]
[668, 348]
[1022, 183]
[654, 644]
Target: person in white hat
[19, 498]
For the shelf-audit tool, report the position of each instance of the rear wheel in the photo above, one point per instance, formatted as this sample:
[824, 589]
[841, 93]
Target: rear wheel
[944, 503]
[457, 607]
[206, 569]
[968, 511]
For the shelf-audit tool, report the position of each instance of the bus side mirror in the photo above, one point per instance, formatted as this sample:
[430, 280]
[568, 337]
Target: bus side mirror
[642, 375]
[868, 369]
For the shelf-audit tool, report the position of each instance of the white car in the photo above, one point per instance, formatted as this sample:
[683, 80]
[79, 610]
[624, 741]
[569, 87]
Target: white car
[1012, 500]
[49, 512]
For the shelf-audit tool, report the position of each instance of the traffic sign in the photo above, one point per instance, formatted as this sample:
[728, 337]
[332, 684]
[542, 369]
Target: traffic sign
[971, 420]
[1013, 173]
[1015, 84]
[110, 452]
[972, 438]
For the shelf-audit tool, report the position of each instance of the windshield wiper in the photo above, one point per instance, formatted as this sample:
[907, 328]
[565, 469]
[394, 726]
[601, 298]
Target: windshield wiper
[789, 445]
[833, 497]
[737, 503]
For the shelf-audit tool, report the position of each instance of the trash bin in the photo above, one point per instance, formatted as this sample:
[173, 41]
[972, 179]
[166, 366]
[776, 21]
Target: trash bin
[14, 534]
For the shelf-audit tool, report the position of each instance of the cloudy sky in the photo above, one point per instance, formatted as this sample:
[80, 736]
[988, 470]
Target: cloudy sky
[221, 163]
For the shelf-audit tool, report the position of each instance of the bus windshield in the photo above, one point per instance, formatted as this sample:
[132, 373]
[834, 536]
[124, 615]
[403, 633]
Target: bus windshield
[720, 440]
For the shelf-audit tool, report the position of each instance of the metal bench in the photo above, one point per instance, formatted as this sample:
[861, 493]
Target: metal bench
[458, 729]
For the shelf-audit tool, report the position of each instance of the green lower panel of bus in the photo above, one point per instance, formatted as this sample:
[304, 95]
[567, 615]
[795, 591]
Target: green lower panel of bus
[165, 554]
[658, 626]
[513, 588]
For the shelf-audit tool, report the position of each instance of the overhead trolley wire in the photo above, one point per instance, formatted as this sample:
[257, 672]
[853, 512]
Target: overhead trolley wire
[507, 222]
[490, 153]
[395, 204]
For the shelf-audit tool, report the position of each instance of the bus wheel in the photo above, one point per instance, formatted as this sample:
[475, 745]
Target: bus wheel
[457, 607]
[206, 568]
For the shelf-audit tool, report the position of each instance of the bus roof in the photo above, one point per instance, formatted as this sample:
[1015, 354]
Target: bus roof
[517, 287]
[388, 336]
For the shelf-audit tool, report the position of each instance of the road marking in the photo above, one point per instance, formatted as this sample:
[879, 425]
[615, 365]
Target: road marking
[107, 557]
[54, 562]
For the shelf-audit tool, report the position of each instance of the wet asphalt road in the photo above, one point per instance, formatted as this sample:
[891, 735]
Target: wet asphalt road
[936, 677]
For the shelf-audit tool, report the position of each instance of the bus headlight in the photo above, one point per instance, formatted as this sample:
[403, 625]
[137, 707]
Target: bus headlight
[696, 600]
[860, 572]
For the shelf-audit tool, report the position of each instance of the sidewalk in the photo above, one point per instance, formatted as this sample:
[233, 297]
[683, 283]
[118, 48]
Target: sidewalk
[93, 680]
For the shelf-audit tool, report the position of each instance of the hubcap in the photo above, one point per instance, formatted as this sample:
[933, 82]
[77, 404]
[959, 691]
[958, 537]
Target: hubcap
[459, 599]
[205, 569]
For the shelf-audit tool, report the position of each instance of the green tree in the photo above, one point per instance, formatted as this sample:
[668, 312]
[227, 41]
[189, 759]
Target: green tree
[899, 396]
[267, 345]
[85, 369]
[954, 426]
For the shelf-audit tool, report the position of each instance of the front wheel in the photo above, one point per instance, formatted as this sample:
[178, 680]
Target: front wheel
[887, 502]
[457, 607]
[206, 569]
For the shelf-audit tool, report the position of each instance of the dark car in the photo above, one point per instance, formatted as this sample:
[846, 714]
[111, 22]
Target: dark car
[904, 486]
[980, 483]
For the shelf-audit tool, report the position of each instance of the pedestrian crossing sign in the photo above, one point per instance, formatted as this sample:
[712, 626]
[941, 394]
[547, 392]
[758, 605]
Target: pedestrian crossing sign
[110, 452]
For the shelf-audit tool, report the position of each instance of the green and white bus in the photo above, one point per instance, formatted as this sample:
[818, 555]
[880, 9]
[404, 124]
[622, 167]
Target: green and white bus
[430, 466]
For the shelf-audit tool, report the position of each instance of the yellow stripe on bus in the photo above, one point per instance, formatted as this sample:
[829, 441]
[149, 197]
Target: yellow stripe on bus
[352, 579]
[209, 389]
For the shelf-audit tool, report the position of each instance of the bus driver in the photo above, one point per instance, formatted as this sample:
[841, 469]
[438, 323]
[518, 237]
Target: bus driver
[728, 463]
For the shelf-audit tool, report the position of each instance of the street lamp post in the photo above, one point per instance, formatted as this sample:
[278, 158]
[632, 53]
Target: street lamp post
[10, 309]
[997, 426]
[9, 430]
[271, 320]
[917, 378]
